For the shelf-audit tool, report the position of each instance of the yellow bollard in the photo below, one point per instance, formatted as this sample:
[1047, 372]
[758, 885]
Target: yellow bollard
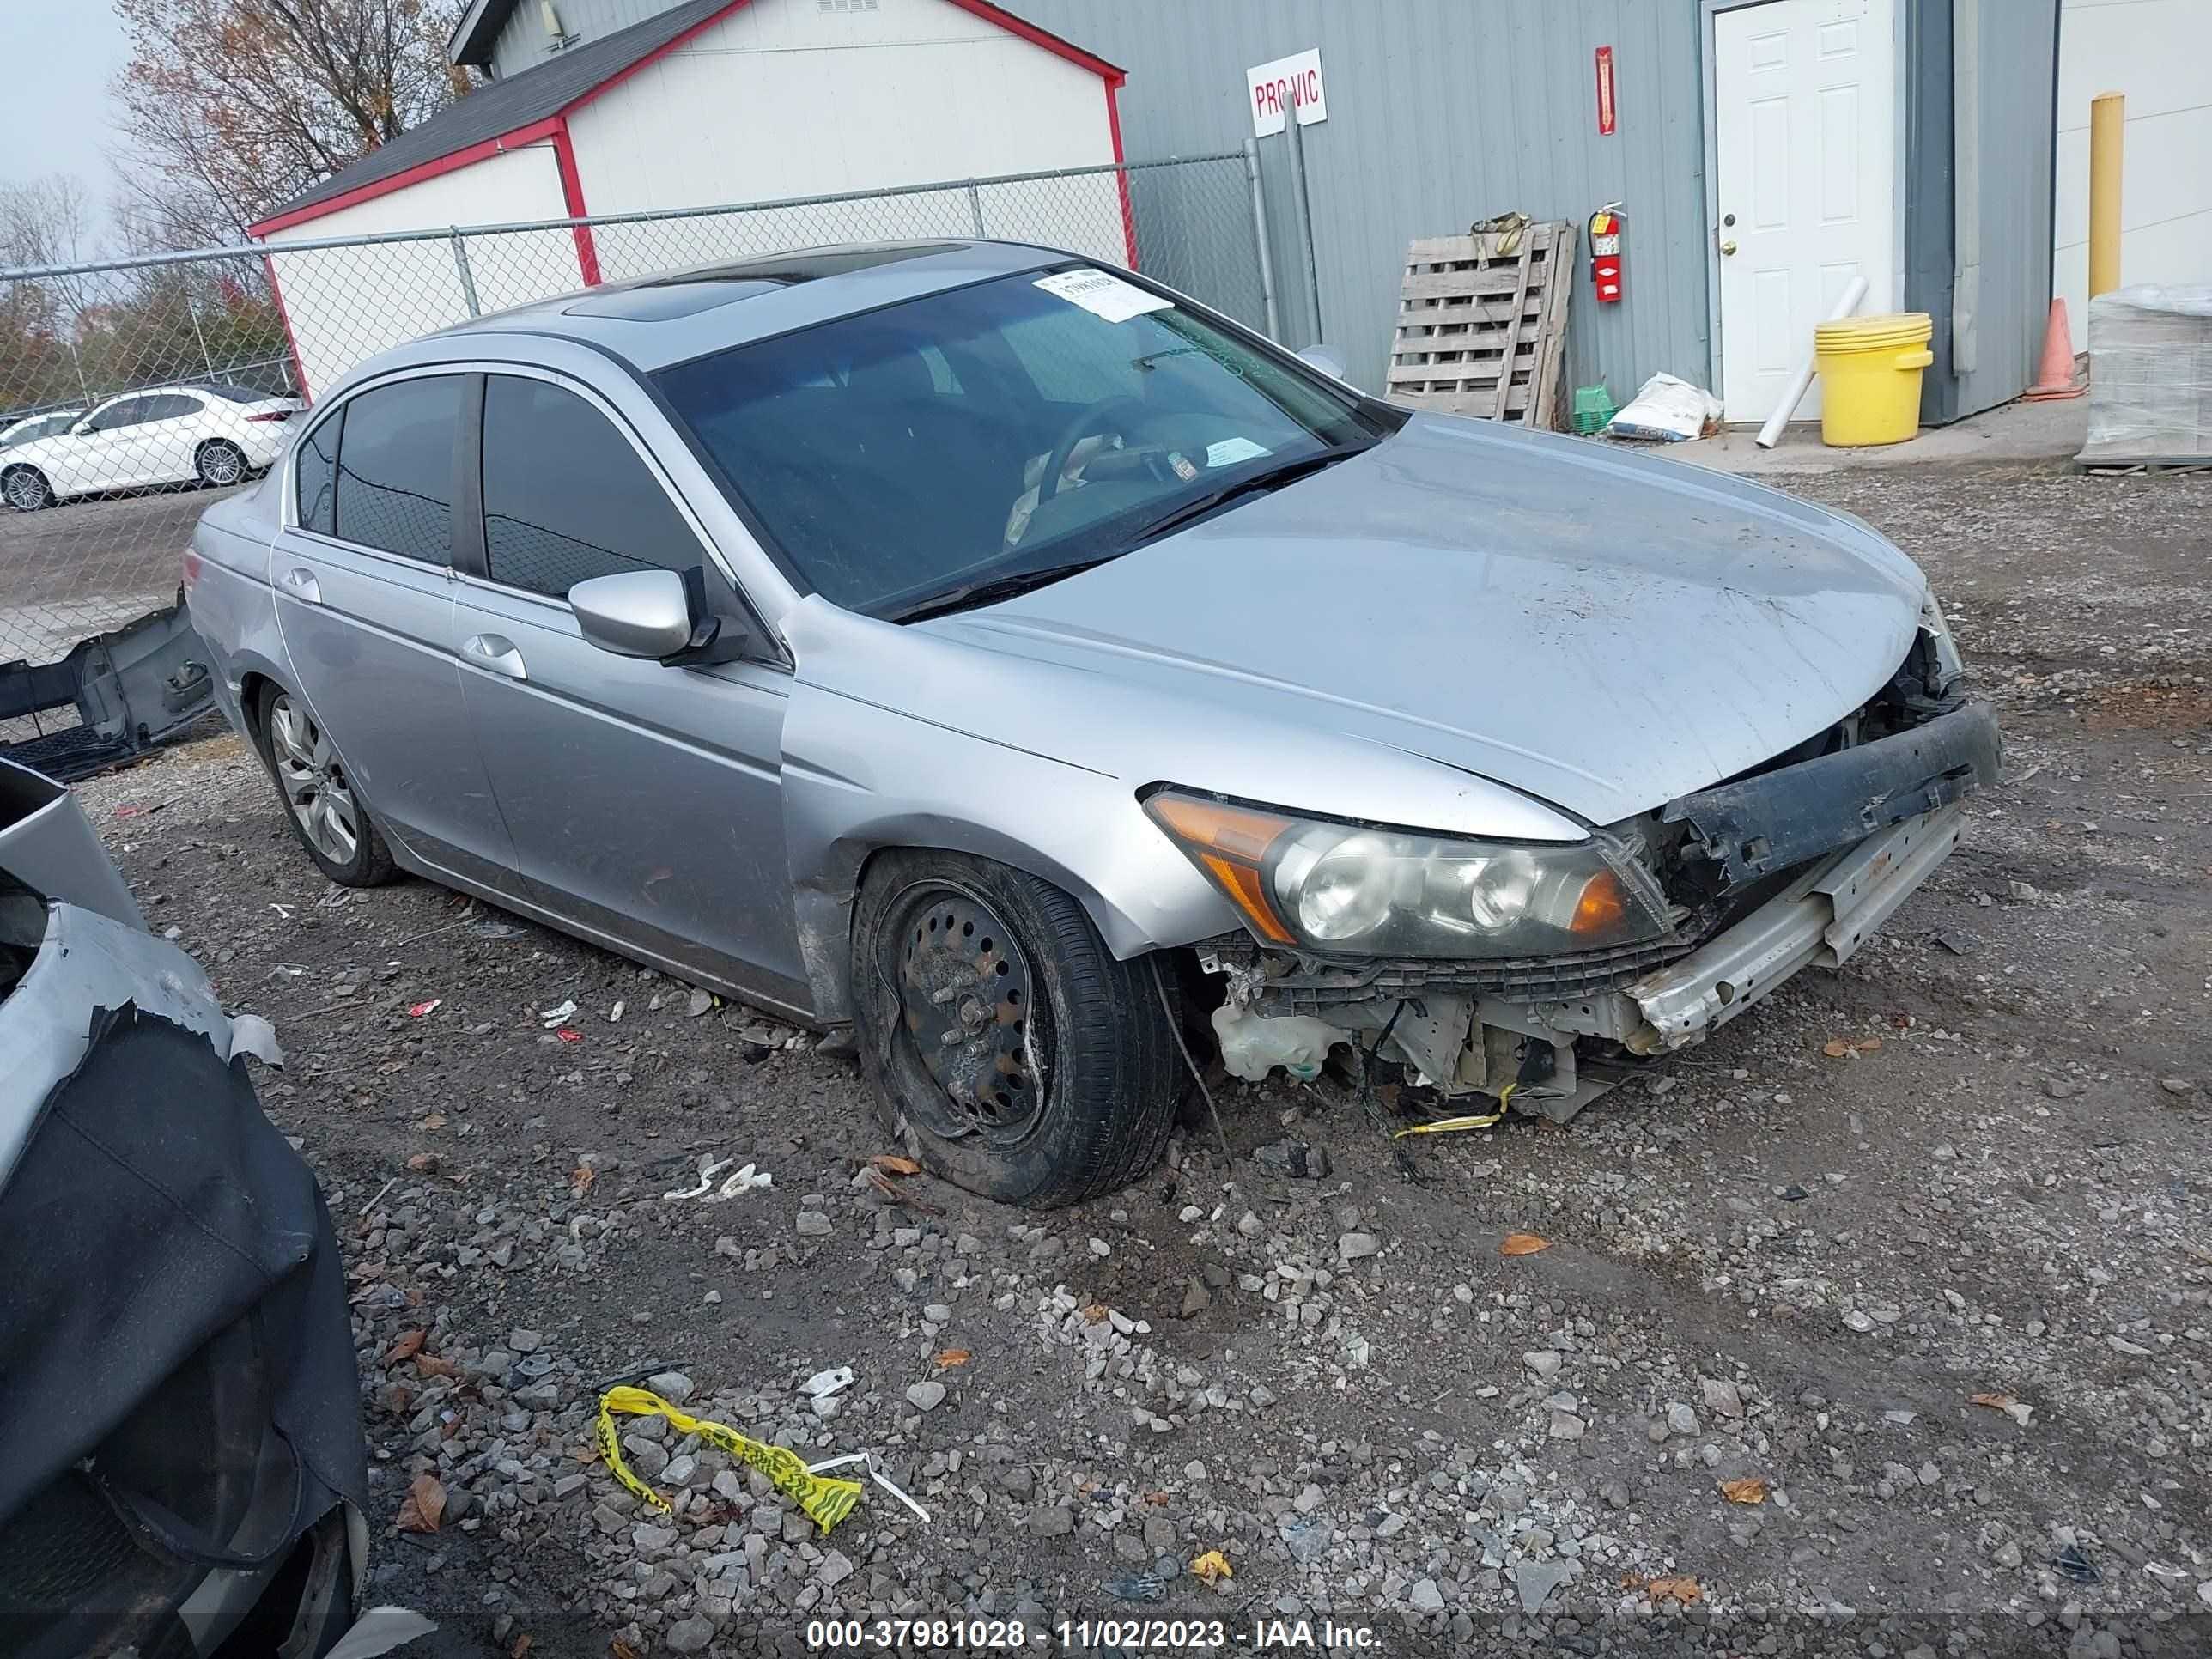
[2107, 126]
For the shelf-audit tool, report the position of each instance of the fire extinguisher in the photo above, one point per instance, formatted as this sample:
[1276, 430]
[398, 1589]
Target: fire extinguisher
[1605, 254]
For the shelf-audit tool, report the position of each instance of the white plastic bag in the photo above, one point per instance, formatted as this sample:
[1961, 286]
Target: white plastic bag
[1666, 410]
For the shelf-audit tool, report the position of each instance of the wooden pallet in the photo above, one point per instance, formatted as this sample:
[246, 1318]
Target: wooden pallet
[1482, 328]
[2113, 466]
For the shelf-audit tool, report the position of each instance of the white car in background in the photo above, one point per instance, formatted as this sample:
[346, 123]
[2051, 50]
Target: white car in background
[162, 434]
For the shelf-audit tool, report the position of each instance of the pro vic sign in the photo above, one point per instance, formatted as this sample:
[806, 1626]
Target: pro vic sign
[1287, 83]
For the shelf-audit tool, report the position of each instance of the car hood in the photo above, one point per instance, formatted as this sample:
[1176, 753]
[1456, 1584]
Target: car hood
[1600, 629]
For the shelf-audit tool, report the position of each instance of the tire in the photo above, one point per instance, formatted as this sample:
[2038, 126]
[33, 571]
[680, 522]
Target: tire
[26, 488]
[1058, 1094]
[319, 803]
[220, 463]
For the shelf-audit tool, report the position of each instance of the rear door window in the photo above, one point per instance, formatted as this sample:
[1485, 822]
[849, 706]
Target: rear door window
[566, 498]
[395, 475]
[317, 470]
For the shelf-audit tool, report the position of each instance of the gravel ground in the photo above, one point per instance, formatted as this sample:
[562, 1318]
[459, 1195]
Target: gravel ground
[1972, 1164]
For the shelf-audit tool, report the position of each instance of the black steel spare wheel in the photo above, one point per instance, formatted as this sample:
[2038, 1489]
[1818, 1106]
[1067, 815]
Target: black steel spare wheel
[1011, 1052]
[969, 1007]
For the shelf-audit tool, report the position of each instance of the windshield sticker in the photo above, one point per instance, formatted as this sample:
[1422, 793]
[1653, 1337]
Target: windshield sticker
[1230, 451]
[1102, 295]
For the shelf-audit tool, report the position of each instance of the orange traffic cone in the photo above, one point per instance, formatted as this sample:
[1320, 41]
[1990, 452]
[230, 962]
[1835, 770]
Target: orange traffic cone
[2057, 371]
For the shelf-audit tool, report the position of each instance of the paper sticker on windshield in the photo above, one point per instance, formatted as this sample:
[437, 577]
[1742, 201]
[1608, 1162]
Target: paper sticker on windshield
[1103, 294]
[1230, 451]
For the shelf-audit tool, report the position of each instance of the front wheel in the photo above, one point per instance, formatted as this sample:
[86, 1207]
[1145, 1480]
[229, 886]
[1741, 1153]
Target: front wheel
[1009, 1052]
[26, 488]
[220, 463]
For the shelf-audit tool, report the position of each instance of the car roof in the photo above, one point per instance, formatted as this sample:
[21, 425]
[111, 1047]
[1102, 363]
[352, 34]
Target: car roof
[672, 317]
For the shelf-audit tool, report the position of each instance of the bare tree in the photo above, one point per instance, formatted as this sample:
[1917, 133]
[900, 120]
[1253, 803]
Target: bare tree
[45, 223]
[232, 106]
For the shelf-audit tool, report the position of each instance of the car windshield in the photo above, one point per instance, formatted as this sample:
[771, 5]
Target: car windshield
[914, 455]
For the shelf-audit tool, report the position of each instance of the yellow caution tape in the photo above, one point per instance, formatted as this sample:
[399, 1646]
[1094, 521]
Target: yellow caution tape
[827, 1501]
[1446, 1126]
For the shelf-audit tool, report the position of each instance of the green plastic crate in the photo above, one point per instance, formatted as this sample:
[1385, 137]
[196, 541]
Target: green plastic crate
[1593, 407]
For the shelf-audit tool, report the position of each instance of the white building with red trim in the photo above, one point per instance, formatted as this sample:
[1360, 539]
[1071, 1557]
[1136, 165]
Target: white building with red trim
[700, 105]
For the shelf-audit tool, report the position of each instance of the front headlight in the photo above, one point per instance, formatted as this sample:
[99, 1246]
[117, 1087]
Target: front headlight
[1348, 890]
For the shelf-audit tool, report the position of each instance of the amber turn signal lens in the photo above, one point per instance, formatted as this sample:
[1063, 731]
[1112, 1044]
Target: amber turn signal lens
[1230, 843]
[1603, 906]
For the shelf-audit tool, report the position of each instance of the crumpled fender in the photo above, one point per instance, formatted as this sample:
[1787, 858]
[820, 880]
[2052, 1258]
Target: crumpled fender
[905, 737]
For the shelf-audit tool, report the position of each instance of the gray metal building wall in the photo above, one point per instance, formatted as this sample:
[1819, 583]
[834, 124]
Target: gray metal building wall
[1441, 112]
[1979, 195]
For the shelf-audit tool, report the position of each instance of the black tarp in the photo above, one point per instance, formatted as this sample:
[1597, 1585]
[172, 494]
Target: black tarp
[175, 1321]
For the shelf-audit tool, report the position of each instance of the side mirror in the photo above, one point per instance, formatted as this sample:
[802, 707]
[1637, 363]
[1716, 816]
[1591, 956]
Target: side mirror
[82, 427]
[1324, 359]
[639, 613]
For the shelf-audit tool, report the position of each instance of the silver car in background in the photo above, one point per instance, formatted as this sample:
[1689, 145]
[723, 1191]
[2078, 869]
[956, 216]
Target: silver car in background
[1014, 658]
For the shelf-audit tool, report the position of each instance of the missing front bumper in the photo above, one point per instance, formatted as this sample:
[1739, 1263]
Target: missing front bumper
[1822, 917]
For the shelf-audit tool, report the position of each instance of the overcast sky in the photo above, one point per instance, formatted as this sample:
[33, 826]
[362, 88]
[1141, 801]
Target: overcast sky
[54, 113]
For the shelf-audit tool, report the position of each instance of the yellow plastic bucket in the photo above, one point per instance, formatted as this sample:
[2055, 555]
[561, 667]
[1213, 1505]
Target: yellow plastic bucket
[1871, 377]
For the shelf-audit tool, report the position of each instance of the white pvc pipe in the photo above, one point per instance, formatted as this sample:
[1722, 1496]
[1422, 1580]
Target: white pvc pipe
[1801, 381]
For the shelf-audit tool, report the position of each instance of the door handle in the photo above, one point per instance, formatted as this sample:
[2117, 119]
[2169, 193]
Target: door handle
[1727, 246]
[497, 652]
[299, 582]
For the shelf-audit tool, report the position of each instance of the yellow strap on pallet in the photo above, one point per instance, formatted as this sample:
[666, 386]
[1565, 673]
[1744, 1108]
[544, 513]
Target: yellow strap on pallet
[1447, 1126]
[827, 1501]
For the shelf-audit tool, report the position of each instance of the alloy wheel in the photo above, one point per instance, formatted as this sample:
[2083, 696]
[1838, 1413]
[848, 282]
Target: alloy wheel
[967, 1003]
[26, 490]
[221, 464]
[314, 781]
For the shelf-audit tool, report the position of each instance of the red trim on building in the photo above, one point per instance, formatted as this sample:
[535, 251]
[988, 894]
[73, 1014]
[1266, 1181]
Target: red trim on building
[415, 175]
[571, 193]
[1051, 42]
[1121, 180]
[291, 340]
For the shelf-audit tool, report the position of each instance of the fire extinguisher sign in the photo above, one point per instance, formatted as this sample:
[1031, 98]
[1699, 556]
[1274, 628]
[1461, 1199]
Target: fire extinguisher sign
[1605, 89]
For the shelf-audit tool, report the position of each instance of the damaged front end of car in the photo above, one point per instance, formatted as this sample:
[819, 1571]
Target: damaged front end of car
[1547, 974]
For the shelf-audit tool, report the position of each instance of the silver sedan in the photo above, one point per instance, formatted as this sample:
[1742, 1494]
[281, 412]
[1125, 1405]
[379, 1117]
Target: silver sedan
[1056, 682]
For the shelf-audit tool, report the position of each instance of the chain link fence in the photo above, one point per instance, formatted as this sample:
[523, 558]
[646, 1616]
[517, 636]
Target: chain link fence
[132, 393]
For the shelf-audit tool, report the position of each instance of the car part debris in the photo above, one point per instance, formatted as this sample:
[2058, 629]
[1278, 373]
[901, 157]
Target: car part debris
[208, 1451]
[1145, 1586]
[1296, 1159]
[822, 1384]
[250, 1034]
[825, 1501]
[550, 1017]
[379, 1630]
[1252, 1045]
[2074, 1563]
[130, 689]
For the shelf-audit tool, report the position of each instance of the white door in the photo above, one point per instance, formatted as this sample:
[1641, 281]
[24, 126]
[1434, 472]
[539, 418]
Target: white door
[1804, 140]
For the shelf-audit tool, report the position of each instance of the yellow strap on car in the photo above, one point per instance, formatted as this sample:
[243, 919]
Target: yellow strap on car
[826, 1501]
[1446, 1126]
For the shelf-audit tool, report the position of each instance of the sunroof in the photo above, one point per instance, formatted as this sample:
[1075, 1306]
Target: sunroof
[689, 293]
[661, 302]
